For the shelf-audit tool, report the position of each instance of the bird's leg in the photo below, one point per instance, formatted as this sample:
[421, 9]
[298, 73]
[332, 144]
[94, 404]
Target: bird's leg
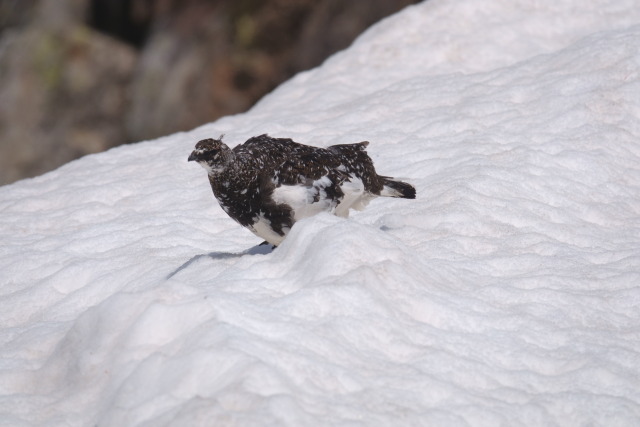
[267, 243]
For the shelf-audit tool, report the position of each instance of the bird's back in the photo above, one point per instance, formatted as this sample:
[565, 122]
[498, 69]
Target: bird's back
[268, 153]
[294, 163]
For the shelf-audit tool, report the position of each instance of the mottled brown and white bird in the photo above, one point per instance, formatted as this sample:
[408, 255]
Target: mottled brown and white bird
[267, 184]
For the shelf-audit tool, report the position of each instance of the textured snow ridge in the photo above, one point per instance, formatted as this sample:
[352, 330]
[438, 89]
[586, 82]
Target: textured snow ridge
[507, 293]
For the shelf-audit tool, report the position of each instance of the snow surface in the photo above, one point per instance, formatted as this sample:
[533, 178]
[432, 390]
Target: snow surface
[507, 293]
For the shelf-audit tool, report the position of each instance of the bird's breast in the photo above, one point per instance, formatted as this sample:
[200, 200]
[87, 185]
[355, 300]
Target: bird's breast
[241, 201]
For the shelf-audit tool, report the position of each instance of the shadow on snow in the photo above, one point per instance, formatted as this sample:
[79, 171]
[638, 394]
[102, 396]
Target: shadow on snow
[261, 249]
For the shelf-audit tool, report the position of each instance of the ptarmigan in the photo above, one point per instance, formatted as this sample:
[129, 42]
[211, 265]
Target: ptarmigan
[267, 184]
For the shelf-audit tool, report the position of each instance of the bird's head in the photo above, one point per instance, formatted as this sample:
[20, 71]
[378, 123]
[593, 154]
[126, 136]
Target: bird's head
[211, 154]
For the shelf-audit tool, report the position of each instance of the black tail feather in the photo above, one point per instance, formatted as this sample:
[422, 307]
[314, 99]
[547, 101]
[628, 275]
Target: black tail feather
[398, 189]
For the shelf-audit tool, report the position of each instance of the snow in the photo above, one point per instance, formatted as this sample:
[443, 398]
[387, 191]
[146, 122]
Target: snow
[507, 293]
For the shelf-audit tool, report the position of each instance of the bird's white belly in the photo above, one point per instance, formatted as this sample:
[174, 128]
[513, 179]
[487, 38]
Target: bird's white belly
[262, 228]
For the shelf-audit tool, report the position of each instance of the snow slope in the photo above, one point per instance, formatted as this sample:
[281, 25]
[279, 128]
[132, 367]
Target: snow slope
[507, 293]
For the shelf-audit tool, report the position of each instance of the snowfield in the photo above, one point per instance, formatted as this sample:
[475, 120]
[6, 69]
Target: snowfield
[507, 293]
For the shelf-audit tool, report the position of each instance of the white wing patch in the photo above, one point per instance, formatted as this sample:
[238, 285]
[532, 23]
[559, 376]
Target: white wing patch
[305, 200]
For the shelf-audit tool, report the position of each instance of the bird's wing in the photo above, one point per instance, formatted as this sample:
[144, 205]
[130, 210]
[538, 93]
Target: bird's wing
[306, 168]
[353, 157]
[356, 162]
[309, 183]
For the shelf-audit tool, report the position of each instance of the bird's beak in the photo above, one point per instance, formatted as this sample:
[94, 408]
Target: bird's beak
[192, 157]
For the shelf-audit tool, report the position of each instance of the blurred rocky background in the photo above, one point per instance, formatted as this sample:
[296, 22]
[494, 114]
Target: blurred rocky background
[81, 76]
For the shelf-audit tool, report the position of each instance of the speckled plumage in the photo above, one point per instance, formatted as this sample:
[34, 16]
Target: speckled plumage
[267, 184]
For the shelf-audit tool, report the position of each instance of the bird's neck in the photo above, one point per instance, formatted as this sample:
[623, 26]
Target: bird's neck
[223, 163]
